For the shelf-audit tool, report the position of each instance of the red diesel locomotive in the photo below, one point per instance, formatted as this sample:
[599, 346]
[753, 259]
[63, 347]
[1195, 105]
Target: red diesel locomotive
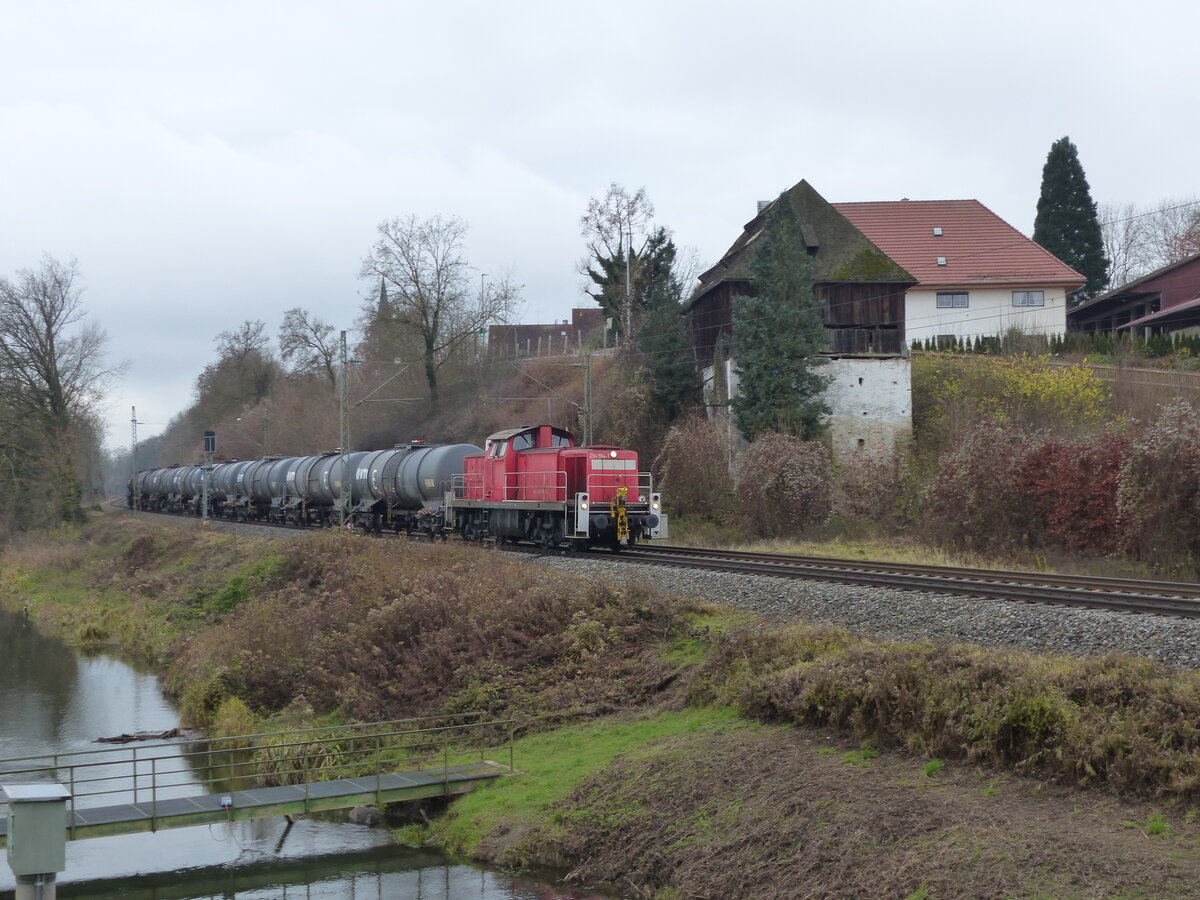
[533, 484]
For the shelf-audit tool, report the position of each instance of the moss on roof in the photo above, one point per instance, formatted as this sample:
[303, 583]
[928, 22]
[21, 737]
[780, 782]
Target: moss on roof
[842, 252]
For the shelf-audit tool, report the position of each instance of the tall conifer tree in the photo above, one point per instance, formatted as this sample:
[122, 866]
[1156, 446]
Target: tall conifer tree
[1067, 224]
[777, 335]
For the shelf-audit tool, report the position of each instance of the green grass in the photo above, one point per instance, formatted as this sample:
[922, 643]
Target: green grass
[553, 763]
[694, 644]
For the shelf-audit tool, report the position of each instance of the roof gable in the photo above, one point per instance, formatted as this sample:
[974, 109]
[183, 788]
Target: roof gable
[839, 250]
[977, 246]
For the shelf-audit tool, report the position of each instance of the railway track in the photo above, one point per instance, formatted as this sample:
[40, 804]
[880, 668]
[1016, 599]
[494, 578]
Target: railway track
[1162, 598]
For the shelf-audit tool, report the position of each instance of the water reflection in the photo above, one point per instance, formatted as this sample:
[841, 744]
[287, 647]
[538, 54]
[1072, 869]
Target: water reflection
[53, 701]
[374, 875]
[38, 680]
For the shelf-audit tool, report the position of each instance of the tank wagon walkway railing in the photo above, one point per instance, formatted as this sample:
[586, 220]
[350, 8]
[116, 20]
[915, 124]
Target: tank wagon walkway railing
[172, 785]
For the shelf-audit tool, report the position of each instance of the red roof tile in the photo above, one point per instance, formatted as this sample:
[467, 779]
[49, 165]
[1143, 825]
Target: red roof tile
[978, 246]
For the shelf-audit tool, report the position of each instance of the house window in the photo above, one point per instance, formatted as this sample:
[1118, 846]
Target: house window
[1029, 298]
[952, 300]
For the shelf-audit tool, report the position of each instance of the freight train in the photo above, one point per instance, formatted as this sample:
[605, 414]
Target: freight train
[530, 484]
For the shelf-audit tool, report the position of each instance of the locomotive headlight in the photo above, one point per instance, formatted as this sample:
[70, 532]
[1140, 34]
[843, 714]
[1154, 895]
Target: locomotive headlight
[641, 498]
[583, 505]
[612, 453]
[655, 501]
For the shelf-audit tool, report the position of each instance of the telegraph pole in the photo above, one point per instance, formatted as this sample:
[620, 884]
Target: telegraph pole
[137, 484]
[587, 399]
[344, 429]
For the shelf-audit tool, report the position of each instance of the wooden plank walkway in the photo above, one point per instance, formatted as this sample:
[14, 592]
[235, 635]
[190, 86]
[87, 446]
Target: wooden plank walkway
[265, 802]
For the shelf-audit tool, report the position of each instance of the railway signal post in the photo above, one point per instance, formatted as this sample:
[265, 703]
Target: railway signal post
[210, 447]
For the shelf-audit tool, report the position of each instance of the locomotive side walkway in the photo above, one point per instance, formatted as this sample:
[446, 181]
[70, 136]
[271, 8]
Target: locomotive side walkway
[230, 779]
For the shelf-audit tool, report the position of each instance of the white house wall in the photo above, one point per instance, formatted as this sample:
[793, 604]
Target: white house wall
[870, 402]
[989, 312]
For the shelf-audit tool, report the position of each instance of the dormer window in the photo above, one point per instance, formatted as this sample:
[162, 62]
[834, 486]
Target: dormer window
[941, 260]
[937, 232]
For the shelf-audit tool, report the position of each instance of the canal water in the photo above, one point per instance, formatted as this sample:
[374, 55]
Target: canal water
[53, 699]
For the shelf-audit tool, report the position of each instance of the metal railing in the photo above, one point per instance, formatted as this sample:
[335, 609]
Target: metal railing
[603, 485]
[517, 485]
[148, 773]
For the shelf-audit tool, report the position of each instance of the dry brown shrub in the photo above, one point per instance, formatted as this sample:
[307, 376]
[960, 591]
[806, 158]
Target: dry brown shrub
[1158, 493]
[377, 629]
[695, 473]
[784, 485]
[1118, 720]
[975, 501]
[873, 490]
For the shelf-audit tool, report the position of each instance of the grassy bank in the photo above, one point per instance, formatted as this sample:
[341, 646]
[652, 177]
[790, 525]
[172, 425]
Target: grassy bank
[699, 757]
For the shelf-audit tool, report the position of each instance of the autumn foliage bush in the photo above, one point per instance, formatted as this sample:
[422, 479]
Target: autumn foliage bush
[1071, 489]
[784, 485]
[1134, 491]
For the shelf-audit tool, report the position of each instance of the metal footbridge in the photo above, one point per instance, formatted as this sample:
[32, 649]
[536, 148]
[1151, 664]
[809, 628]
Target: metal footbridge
[152, 786]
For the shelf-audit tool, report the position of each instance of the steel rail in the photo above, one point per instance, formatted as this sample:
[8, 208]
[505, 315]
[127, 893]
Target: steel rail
[1039, 589]
[1004, 576]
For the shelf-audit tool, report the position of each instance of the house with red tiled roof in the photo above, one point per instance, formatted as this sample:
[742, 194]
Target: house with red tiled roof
[976, 274]
[886, 274]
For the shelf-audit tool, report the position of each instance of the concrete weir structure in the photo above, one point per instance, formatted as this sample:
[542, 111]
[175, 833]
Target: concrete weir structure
[155, 787]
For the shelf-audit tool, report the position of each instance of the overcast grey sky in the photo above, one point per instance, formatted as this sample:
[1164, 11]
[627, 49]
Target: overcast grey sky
[214, 162]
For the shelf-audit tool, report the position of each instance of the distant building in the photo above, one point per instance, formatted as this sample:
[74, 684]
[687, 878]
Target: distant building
[1167, 301]
[557, 338]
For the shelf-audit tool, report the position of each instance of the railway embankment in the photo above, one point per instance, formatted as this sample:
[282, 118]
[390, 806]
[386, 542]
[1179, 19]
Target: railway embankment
[673, 748]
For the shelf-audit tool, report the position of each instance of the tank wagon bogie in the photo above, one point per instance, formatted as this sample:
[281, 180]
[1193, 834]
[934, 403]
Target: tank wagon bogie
[527, 484]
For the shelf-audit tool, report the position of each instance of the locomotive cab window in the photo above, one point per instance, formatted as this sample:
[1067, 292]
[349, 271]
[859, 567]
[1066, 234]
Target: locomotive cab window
[561, 441]
[523, 441]
[498, 449]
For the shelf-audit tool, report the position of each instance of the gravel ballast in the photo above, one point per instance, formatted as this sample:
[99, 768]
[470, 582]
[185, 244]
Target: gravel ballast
[909, 615]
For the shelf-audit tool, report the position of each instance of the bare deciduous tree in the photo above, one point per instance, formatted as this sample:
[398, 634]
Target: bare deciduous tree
[244, 370]
[1125, 243]
[430, 288]
[309, 344]
[53, 373]
[611, 223]
[1139, 240]
[1173, 230]
[618, 228]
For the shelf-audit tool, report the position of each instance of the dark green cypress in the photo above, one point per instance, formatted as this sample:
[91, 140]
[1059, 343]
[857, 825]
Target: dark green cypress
[777, 335]
[662, 334]
[1066, 223]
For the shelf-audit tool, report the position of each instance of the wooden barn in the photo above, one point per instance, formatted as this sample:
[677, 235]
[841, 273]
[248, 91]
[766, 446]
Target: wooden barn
[862, 289]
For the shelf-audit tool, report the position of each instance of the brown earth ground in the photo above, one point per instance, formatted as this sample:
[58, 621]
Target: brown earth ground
[779, 812]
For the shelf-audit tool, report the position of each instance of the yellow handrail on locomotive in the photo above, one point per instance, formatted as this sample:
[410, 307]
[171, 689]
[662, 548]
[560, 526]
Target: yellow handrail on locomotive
[617, 508]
